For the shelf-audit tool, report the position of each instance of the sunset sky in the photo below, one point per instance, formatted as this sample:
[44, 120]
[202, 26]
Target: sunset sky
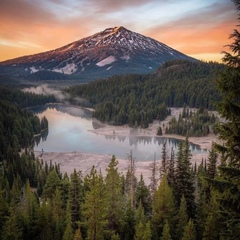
[199, 28]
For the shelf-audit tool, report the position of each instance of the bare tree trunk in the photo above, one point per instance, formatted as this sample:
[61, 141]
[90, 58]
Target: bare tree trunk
[132, 178]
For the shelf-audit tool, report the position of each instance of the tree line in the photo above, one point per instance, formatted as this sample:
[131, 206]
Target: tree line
[188, 203]
[197, 123]
[139, 99]
[24, 99]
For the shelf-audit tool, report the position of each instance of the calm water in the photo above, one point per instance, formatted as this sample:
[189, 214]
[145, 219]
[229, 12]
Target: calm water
[68, 131]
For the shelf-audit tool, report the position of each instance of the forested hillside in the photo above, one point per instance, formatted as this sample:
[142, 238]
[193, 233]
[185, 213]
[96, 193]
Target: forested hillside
[38, 202]
[182, 202]
[139, 99]
[23, 99]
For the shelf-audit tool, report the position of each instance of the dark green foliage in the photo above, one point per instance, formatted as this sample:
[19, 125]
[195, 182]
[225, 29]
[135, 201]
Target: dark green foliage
[189, 231]
[197, 124]
[94, 207]
[227, 185]
[24, 99]
[51, 184]
[163, 207]
[114, 198]
[166, 232]
[36, 202]
[138, 100]
[76, 198]
[184, 179]
[182, 218]
[143, 196]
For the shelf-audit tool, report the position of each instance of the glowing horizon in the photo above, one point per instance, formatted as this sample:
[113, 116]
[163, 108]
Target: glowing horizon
[199, 29]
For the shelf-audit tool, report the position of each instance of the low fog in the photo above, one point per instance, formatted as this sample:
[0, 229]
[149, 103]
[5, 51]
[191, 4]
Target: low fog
[45, 89]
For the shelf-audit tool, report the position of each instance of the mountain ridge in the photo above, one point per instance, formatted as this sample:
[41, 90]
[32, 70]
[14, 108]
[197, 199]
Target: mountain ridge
[112, 51]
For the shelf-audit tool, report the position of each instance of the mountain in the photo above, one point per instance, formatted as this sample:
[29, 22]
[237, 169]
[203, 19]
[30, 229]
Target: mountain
[113, 51]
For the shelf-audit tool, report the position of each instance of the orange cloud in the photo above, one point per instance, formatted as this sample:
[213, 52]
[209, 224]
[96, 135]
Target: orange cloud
[199, 34]
[27, 27]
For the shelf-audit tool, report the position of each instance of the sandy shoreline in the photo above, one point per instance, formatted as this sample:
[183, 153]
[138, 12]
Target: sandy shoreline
[69, 161]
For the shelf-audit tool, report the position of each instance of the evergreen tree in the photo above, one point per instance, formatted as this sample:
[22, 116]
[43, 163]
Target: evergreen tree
[210, 232]
[3, 205]
[182, 218]
[143, 195]
[171, 170]
[166, 232]
[58, 214]
[30, 207]
[114, 198]
[153, 178]
[11, 228]
[78, 235]
[68, 233]
[129, 222]
[94, 207]
[212, 164]
[163, 168]
[189, 231]
[76, 198]
[44, 222]
[229, 132]
[51, 184]
[142, 229]
[163, 207]
[184, 178]
[202, 213]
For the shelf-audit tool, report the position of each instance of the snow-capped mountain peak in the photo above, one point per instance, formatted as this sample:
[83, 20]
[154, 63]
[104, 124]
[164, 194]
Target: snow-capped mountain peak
[115, 50]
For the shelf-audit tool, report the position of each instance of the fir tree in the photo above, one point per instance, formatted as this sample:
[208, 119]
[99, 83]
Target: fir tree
[229, 132]
[163, 207]
[166, 232]
[143, 195]
[212, 164]
[153, 178]
[163, 168]
[76, 198]
[94, 207]
[142, 229]
[210, 232]
[171, 170]
[189, 231]
[51, 184]
[68, 233]
[114, 198]
[182, 218]
[78, 235]
[184, 178]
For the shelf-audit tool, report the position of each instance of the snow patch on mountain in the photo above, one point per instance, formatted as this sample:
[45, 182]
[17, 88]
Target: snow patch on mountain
[106, 61]
[33, 69]
[125, 57]
[70, 68]
[117, 50]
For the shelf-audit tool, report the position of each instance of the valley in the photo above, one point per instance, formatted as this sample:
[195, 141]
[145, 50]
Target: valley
[83, 161]
[116, 135]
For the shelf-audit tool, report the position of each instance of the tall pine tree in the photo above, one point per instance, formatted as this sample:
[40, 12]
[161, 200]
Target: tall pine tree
[229, 132]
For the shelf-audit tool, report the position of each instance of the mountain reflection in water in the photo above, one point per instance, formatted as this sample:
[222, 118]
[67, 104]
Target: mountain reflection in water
[69, 131]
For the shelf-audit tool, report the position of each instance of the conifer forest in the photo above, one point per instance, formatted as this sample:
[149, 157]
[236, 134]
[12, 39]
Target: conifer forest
[182, 202]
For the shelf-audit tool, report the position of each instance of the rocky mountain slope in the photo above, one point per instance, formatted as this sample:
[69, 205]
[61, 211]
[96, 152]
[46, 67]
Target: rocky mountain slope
[110, 52]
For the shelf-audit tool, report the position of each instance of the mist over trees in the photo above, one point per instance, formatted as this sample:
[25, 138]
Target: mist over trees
[137, 100]
[38, 201]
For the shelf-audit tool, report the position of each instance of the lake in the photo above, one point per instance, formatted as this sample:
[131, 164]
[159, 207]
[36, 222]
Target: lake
[69, 131]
